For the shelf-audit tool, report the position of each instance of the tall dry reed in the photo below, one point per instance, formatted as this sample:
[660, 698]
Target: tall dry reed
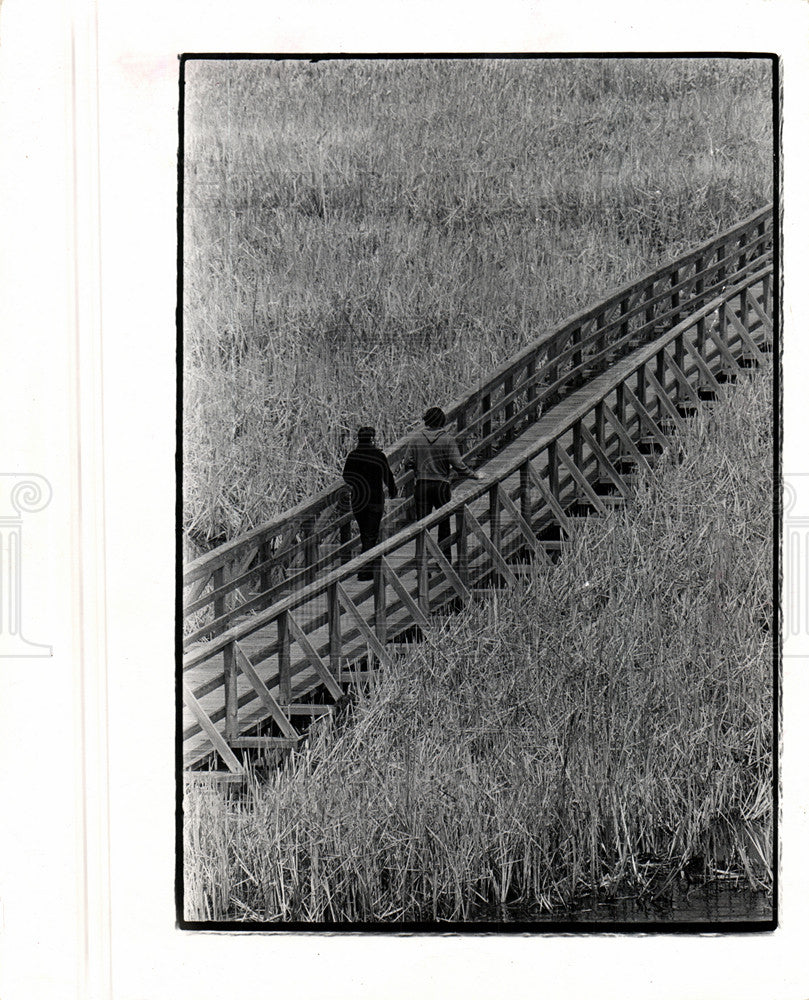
[365, 237]
[548, 741]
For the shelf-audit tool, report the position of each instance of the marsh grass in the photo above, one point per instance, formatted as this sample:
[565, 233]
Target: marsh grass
[365, 237]
[547, 742]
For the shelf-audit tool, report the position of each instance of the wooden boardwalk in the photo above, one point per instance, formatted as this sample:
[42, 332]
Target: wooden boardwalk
[287, 654]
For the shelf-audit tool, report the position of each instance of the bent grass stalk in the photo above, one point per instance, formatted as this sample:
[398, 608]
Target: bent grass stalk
[548, 743]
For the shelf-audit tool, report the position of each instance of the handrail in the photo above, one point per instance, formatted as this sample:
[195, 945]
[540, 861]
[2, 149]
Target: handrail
[485, 416]
[547, 474]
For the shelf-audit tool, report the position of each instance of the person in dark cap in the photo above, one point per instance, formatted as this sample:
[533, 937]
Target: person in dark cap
[366, 471]
[432, 452]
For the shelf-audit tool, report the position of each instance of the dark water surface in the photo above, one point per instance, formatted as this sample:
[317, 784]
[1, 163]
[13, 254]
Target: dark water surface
[712, 903]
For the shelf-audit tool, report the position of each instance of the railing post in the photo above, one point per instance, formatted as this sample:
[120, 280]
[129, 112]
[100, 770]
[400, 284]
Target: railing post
[495, 527]
[624, 324]
[309, 548]
[231, 694]
[620, 404]
[661, 378]
[575, 338]
[463, 550]
[335, 633]
[578, 450]
[601, 342]
[265, 573]
[460, 427]
[675, 297]
[380, 603]
[640, 392]
[508, 386]
[525, 493]
[599, 424]
[553, 469]
[649, 311]
[699, 288]
[679, 358]
[345, 538]
[531, 391]
[720, 256]
[552, 368]
[422, 577]
[284, 660]
[486, 426]
[219, 603]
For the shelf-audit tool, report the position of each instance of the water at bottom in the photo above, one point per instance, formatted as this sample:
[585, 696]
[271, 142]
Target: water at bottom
[712, 903]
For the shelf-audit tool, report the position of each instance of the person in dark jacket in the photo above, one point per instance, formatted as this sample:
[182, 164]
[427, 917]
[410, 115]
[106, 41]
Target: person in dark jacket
[366, 471]
[432, 453]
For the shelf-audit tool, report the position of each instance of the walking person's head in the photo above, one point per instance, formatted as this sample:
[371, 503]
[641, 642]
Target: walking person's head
[366, 435]
[435, 418]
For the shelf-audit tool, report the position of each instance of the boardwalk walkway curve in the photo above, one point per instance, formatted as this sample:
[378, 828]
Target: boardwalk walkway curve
[558, 431]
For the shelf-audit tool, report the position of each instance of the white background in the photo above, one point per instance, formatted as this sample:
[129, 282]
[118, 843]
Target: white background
[87, 398]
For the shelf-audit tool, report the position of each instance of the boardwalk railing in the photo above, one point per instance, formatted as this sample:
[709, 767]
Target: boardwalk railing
[265, 564]
[258, 674]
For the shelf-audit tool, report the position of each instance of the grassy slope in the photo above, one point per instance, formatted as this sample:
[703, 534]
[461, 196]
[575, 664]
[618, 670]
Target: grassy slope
[544, 743]
[366, 238]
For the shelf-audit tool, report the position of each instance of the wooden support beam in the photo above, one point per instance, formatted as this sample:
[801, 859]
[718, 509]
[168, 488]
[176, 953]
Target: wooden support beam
[310, 709]
[422, 573]
[581, 481]
[218, 577]
[406, 599]
[553, 469]
[497, 559]
[703, 368]
[220, 746]
[274, 710]
[606, 465]
[312, 655]
[626, 440]
[380, 603]
[665, 405]
[726, 353]
[266, 742]
[462, 548]
[684, 387]
[749, 342]
[335, 632]
[646, 418]
[367, 632]
[531, 389]
[550, 499]
[196, 592]
[446, 567]
[494, 515]
[525, 491]
[760, 309]
[231, 693]
[284, 662]
[527, 532]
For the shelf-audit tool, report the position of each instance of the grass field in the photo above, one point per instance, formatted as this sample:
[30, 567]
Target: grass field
[363, 238]
[594, 730]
